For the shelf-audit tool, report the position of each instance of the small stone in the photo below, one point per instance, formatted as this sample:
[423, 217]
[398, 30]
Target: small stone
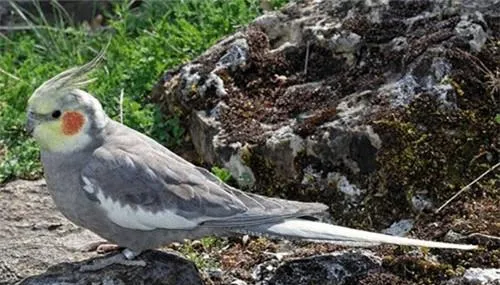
[345, 42]
[351, 191]
[238, 282]
[197, 244]
[215, 273]
[400, 228]
[452, 236]
[175, 245]
[477, 276]
[235, 56]
[399, 44]
[421, 203]
[482, 276]
[245, 239]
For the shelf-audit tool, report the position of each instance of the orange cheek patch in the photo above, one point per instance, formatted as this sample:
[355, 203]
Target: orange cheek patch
[72, 122]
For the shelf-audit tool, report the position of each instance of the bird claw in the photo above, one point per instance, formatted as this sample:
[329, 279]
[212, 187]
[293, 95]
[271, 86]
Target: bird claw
[100, 247]
[107, 248]
[121, 258]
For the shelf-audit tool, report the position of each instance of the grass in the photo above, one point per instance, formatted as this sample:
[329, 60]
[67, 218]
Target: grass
[222, 173]
[143, 43]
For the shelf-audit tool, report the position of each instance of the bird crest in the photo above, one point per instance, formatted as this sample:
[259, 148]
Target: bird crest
[70, 79]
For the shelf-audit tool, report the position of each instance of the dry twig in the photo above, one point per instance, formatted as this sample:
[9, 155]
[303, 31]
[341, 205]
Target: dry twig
[307, 58]
[468, 186]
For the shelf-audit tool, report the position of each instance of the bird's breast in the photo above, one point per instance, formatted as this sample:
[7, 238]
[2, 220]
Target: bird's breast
[64, 186]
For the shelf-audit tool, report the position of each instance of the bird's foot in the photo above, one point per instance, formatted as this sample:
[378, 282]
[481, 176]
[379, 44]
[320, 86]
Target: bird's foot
[124, 258]
[107, 248]
[101, 247]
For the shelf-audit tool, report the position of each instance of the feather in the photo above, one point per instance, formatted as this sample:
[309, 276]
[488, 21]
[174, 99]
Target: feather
[322, 232]
[72, 78]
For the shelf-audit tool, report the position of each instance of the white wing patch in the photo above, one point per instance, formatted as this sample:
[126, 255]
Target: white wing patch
[138, 218]
[88, 187]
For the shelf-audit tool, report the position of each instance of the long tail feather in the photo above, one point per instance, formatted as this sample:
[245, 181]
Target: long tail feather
[322, 232]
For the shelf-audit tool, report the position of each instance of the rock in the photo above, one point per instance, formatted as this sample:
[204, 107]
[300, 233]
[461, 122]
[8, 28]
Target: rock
[215, 273]
[263, 272]
[380, 109]
[236, 56]
[477, 276]
[161, 268]
[452, 236]
[337, 87]
[335, 269]
[420, 203]
[400, 228]
[282, 147]
[471, 27]
[383, 278]
[203, 129]
[351, 192]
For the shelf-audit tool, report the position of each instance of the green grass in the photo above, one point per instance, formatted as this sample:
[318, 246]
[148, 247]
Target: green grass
[143, 43]
[222, 173]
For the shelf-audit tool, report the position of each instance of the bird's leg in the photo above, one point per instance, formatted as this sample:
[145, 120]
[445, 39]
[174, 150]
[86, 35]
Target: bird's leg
[124, 258]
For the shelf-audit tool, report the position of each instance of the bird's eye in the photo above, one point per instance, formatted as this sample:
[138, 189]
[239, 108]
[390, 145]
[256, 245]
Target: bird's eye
[56, 114]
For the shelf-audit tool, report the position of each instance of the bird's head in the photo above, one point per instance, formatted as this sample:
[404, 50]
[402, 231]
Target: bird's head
[60, 116]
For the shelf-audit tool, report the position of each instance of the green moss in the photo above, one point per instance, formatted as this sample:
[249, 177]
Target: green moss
[421, 269]
[267, 181]
[201, 252]
[428, 149]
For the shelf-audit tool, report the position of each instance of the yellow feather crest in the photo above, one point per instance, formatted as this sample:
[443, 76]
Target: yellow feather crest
[70, 79]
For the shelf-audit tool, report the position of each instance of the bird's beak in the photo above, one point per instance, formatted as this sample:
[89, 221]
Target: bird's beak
[31, 123]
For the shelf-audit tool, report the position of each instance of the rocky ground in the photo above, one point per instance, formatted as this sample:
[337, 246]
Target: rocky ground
[37, 241]
[35, 237]
[33, 234]
[39, 246]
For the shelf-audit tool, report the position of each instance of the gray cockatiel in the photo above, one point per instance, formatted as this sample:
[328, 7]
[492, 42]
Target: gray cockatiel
[134, 192]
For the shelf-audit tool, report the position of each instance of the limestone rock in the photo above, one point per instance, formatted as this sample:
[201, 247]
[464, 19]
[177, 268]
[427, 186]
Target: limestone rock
[336, 87]
[381, 109]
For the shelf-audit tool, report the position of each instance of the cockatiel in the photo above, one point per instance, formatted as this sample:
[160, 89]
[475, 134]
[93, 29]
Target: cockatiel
[132, 191]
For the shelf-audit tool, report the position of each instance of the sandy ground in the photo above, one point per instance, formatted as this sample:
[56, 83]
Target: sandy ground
[33, 234]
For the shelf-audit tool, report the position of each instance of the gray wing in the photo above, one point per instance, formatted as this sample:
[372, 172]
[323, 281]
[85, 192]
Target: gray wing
[144, 186]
